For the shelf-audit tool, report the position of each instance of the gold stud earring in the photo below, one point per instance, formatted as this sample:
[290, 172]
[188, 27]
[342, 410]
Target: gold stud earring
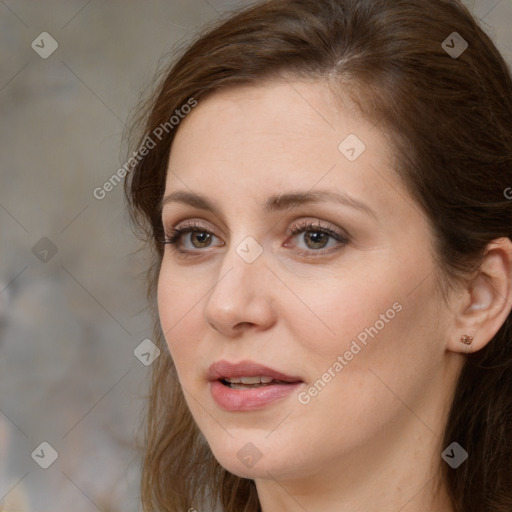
[466, 339]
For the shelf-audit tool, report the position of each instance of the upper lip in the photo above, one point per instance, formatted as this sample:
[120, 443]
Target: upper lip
[226, 370]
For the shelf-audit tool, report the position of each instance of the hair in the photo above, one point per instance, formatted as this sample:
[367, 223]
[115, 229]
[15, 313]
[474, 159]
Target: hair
[450, 124]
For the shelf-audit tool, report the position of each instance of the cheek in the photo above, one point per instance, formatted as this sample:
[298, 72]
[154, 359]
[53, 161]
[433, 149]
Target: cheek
[180, 313]
[334, 312]
[382, 348]
[383, 322]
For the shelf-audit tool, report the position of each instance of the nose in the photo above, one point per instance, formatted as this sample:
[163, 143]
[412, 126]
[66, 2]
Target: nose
[242, 297]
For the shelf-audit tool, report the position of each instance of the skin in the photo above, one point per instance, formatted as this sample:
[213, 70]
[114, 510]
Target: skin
[371, 439]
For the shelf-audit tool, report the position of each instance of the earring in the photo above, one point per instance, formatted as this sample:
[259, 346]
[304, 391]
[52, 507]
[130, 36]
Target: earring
[466, 339]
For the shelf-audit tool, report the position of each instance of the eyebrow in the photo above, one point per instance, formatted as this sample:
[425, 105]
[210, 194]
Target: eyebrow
[277, 202]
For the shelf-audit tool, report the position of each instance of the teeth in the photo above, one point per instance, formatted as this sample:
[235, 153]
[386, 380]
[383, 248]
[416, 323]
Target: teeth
[250, 380]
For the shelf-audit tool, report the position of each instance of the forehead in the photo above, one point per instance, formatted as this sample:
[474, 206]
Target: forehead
[282, 120]
[258, 140]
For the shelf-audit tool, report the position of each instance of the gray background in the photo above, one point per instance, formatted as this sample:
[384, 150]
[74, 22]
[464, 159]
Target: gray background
[70, 321]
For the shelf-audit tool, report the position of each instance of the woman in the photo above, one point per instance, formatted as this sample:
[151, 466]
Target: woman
[322, 184]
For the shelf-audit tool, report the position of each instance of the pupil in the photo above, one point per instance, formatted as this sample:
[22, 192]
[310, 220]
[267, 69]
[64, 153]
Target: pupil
[316, 238]
[201, 237]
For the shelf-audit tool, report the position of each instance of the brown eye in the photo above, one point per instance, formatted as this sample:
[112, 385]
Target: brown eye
[316, 237]
[189, 238]
[203, 238]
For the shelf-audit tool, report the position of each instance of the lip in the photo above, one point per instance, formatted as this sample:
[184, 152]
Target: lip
[240, 400]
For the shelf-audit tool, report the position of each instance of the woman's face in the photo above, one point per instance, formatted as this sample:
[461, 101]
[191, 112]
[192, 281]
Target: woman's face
[309, 265]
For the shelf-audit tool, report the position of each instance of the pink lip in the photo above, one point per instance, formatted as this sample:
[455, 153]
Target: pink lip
[239, 400]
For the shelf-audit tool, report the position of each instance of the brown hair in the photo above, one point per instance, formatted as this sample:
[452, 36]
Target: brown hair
[450, 122]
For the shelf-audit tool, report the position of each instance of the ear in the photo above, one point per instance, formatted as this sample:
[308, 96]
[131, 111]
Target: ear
[486, 301]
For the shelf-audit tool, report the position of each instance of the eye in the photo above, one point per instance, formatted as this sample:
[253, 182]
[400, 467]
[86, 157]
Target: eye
[197, 236]
[192, 237]
[317, 237]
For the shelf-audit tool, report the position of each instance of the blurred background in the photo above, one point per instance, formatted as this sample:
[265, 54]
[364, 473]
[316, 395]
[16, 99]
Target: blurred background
[74, 325]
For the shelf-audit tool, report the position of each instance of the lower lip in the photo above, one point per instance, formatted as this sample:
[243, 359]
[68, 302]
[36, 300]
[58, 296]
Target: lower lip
[251, 399]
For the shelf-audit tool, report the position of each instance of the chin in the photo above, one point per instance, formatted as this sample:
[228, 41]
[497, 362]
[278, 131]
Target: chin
[246, 454]
[258, 457]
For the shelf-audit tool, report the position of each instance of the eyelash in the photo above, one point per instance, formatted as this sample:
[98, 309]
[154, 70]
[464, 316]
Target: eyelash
[173, 236]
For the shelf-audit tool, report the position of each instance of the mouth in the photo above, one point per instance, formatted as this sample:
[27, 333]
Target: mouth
[248, 386]
[251, 382]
